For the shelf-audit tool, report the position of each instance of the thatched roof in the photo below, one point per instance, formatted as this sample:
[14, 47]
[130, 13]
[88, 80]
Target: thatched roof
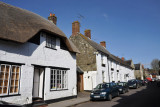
[20, 25]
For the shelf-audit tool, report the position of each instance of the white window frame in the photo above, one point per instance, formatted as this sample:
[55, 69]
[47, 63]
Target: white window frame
[15, 79]
[63, 79]
[9, 79]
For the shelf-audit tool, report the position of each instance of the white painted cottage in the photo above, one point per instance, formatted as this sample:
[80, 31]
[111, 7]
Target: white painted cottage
[120, 70]
[36, 58]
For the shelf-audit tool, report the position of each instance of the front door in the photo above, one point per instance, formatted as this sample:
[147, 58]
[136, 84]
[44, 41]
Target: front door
[38, 82]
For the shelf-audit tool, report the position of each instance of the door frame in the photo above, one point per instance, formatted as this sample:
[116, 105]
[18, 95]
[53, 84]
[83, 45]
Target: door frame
[39, 67]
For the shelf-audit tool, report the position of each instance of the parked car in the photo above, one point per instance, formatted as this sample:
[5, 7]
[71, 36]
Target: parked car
[104, 91]
[146, 81]
[153, 79]
[143, 82]
[123, 87]
[134, 83]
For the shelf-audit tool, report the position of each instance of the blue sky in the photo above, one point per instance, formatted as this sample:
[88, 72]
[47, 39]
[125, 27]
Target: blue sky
[131, 28]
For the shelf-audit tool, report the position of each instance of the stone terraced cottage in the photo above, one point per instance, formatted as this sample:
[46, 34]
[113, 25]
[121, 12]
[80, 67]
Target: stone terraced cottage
[96, 62]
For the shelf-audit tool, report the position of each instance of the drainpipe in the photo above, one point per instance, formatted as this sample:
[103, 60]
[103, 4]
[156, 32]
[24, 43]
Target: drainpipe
[92, 82]
[108, 71]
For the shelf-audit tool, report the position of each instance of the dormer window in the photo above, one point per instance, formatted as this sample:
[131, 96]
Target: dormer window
[50, 42]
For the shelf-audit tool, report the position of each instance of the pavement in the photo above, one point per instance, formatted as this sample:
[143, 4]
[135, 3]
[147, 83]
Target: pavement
[82, 97]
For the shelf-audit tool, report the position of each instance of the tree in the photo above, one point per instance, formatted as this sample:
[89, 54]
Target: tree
[155, 64]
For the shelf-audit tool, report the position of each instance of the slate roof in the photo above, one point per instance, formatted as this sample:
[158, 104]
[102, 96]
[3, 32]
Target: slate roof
[20, 25]
[115, 58]
[96, 45]
[105, 51]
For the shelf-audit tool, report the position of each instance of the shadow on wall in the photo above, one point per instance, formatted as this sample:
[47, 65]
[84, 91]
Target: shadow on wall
[25, 49]
[148, 97]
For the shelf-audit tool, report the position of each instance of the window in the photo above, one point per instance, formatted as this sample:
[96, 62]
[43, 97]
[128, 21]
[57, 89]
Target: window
[9, 79]
[63, 45]
[51, 42]
[58, 79]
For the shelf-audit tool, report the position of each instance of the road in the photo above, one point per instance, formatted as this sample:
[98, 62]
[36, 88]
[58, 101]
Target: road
[146, 96]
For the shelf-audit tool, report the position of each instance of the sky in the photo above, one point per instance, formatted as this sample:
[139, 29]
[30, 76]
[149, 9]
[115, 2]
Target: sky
[131, 28]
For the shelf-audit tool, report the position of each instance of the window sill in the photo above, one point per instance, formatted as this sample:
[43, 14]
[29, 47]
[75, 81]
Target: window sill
[50, 48]
[10, 95]
[58, 90]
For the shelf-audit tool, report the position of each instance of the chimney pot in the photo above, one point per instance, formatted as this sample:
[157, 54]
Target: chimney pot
[50, 14]
[75, 28]
[52, 18]
[103, 43]
[123, 58]
[87, 33]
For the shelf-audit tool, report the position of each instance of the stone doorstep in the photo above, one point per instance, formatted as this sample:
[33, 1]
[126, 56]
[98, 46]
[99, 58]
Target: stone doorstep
[40, 105]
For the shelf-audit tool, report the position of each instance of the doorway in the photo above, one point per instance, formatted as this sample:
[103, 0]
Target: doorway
[38, 83]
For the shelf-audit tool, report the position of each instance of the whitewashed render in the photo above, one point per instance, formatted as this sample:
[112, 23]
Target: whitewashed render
[93, 78]
[29, 55]
[115, 72]
[118, 72]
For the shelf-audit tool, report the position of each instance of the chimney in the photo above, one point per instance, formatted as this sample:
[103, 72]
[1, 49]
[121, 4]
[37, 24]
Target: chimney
[87, 33]
[123, 58]
[52, 18]
[103, 43]
[75, 28]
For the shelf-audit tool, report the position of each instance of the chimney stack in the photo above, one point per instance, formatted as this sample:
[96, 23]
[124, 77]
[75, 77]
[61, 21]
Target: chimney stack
[87, 33]
[123, 58]
[52, 18]
[103, 43]
[75, 28]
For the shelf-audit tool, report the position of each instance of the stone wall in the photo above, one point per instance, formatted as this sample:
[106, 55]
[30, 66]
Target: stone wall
[87, 57]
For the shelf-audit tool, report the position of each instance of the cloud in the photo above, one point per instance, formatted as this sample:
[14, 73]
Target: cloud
[105, 16]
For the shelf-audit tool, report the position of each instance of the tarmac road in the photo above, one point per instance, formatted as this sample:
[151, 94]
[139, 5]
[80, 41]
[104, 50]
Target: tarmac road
[145, 96]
